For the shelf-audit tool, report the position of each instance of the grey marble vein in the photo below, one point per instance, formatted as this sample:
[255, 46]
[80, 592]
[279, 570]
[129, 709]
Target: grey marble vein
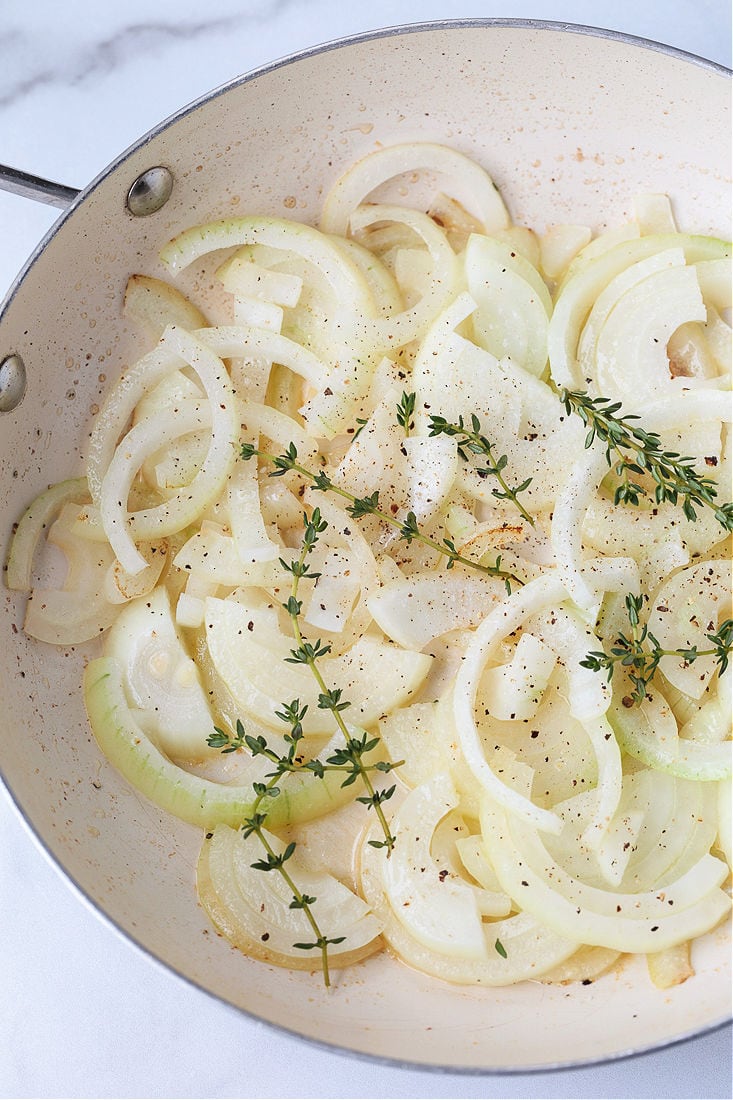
[25, 69]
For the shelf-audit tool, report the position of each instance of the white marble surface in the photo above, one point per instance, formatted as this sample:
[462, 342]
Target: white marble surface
[82, 1012]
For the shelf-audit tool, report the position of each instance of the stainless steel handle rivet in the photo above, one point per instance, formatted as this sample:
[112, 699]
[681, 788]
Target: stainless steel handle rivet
[150, 191]
[12, 382]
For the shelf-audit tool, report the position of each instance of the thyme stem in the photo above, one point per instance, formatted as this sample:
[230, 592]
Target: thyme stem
[471, 441]
[330, 698]
[369, 505]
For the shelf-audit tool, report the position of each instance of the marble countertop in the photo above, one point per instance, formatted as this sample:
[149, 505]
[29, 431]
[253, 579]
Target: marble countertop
[82, 1012]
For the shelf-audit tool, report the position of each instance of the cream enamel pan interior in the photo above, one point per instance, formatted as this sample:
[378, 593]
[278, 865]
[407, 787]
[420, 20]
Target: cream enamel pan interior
[571, 123]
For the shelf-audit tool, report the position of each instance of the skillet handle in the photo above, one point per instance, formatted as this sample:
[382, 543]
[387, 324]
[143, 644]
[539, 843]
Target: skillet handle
[34, 187]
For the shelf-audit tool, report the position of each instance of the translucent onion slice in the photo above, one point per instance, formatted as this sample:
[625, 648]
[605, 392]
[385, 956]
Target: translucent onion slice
[343, 276]
[585, 577]
[374, 675]
[146, 438]
[637, 922]
[586, 280]
[154, 305]
[631, 362]
[255, 908]
[228, 341]
[160, 678]
[414, 610]
[468, 182]
[502, 621]
[513, 302]
[79, 610]
[187, 504]
[201, 802]
[650, 733]
[437, 907]
[31, 525]
[393, 332]
[521, 947]
[119, 406]
[686, 608]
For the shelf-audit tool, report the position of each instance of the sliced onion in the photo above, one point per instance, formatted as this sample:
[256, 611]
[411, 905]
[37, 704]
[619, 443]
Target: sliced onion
[353, 187]
[188, 503]
[31, 525]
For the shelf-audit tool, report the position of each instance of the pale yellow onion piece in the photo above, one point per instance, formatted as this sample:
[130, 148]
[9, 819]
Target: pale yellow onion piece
[566, 530]
[120, 586]
[414, 734]
[687, 607]
[154, 305]
[716, 282]
[374, 460]
[725, 819]
[604, 242]
[588, 698]
[670, 967]
[374, 676]
[333, 596]
[514, 690]
[637, 922]
[503, 620]
[631, 361]
[160, 679]
[432, 464]
[342, 275]
[650, 733]
[251, 539]
[31, 525]
[528, 947]
[587, 964]
[513, 303]
[210, 554]
[119, 406]
[264, 420]
[345, 533]
[144, 439]
[175, 464]
[470, 183]
[414, 610]
[261, 903]
[439, 908]
[558, 246]
[188, 503]
[653, 214]
[586, 279]
[630, 279]
[79, 610]
[244, 277]
[228, 341]
[474, 858]
[544, 440]
[261, 315]
[381, 281]
[711, 719]
[392, 332]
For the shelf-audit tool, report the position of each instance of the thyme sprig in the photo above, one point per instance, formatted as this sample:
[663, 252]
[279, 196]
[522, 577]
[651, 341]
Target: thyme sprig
[470, 441]
[350, 756]
[254, 823]
[640, 653]
[369, 505]
[633, 452]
